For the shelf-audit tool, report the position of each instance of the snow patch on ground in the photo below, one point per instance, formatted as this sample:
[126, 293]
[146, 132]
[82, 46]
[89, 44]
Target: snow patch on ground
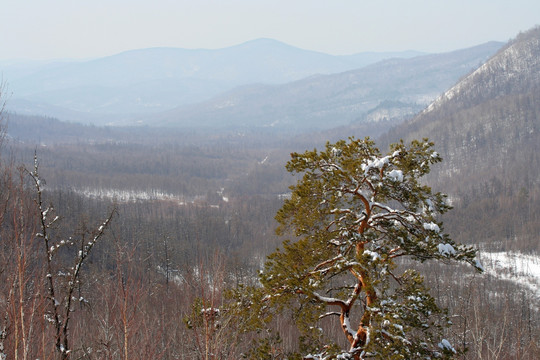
[520, 268]
[131, 195]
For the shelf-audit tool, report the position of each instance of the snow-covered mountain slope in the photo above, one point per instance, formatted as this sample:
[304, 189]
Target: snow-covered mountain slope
[514, 69]
[487, 129]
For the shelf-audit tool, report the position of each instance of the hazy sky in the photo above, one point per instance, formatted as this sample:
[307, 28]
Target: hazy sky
[45, 29]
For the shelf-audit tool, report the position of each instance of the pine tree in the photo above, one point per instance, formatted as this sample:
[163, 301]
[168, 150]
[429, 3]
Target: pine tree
[355, 216]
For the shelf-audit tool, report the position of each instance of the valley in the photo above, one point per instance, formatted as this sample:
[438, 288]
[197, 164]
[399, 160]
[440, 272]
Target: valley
[193, 190]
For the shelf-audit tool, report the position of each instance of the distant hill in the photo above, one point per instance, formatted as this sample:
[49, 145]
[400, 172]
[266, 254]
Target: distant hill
[487, 128]
[149, 80]
[326, 101]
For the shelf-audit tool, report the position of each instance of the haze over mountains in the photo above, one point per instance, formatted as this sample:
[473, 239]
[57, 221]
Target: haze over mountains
[259, 83]
[155, 79]
[321, 102]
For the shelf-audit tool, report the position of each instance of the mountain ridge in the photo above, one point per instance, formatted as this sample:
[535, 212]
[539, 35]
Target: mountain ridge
[487, 129]
[213, 71]
[326, 101]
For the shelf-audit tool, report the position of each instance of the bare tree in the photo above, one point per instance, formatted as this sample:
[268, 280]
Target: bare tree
[62, 281]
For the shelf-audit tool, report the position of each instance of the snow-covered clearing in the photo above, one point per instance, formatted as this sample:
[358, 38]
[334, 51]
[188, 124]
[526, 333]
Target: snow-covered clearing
[519, 268]
[131, 195]
[124, 196]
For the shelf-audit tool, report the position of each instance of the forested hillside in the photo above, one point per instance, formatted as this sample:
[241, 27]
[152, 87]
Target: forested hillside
[487, 128]
[175, 236]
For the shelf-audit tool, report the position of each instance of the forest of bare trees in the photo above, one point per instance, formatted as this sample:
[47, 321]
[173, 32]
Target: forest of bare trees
[141, 290]
[128, 243]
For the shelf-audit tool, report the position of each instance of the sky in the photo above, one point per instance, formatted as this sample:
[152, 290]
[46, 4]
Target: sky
[82, 29]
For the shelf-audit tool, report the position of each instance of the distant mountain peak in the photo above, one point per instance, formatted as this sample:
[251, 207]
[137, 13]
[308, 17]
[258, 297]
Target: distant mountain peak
[264, 41]
[142, 81]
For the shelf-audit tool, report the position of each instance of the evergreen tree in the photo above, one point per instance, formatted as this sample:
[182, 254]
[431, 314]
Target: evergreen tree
[354, 216]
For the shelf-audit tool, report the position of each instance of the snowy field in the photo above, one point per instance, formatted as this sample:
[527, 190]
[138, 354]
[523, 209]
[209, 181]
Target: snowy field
[124, 196]
[127, 195]
[520, 268]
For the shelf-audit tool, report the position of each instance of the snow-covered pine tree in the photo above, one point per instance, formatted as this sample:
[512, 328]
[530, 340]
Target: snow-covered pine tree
[353, 215]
